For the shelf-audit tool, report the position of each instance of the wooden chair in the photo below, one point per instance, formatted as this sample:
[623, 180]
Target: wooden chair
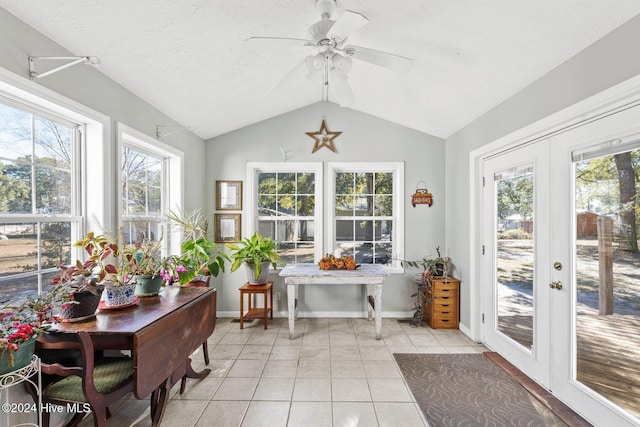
[96, 384]
[199, 281]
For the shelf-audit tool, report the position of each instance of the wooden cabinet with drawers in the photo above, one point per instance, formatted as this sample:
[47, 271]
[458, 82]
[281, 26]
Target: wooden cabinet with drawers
[441, 303]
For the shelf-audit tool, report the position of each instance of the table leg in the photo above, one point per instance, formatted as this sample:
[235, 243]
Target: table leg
[377, 297]
[367, 301]
[291, 305]
[266, 309]
[271, 300]
[242, 309]
[159, 399]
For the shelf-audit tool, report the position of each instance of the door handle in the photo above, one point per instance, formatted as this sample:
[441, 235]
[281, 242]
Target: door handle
[555, 285]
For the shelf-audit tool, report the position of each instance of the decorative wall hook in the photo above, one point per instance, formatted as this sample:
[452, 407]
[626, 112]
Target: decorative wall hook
[422, 195]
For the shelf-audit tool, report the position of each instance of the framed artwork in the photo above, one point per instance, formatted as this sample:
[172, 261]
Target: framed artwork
[227, 227]
[229, 195]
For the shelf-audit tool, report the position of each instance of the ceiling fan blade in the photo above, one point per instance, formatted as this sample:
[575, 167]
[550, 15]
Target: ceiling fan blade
[383, 59]
[348, 23]
[283, 40]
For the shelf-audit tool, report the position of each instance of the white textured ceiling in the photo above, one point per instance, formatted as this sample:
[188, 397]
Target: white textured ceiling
[189, 58]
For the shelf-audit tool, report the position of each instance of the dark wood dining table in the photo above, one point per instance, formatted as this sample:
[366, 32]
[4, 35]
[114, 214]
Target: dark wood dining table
[160, 331]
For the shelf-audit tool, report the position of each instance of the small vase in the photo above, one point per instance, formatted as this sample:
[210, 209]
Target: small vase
[119, 295]
[21, 357]
[251, 273]
[148, 285]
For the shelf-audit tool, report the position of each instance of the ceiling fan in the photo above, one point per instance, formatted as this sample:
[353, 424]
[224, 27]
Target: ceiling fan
[333, 58]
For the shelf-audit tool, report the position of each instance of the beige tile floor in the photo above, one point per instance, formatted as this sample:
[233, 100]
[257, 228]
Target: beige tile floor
[334, 373]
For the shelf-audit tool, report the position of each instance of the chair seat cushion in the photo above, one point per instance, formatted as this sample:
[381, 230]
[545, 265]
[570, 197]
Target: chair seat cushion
[108, 374]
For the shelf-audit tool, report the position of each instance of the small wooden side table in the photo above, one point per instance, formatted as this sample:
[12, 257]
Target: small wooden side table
[256, 312]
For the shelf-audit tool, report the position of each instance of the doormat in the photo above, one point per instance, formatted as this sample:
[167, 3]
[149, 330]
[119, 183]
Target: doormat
[470, 390]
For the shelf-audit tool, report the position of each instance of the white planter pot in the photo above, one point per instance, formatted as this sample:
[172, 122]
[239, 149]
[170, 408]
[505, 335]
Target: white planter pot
[251, 273]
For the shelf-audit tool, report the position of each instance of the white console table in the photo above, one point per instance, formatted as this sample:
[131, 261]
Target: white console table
[371, 275]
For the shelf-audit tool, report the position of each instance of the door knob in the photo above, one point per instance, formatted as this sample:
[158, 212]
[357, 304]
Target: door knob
[555, 285]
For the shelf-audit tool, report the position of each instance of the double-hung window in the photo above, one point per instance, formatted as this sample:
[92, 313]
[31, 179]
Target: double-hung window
[147, 187]
[366, 211]
[287, 203]
[40, 203]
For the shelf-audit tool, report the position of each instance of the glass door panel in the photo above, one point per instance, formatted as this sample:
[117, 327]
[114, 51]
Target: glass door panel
[515, 254]
[607, 299]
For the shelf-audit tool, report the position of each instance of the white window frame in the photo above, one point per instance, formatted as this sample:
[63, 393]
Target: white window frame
[89, 208]
[251, 211]
[173, 178]
[397, 234]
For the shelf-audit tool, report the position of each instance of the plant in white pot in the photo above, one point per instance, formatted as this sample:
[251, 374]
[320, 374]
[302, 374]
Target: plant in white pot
[257, 253]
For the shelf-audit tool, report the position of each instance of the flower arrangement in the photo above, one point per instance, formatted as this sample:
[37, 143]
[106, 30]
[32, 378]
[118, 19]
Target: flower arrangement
[20, 323]
[332, 262]
[106, 258]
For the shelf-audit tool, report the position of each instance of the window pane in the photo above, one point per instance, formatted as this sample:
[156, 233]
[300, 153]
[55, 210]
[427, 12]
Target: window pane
[287, 252]
[384, 183]
[53, 191]
[306, 230]
[16, 180]
[383, 205]
[52, 143]
[345, 205]
[364, 183]
[15, 135]
[286, 205]
[364, 206]
[286, 231]
[363, 253]
[155, 201]
[267, 205]
[305, 253]
[19, 251]
[306, 183]
[266, 183]
[383, 253]
[345, 230]
[344, 183]
[383, 230]
[12, 288]
[56, 244]
[267, 228]
[286, 183]
[305, 205]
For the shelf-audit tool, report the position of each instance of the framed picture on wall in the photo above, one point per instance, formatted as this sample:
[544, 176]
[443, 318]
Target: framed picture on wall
[227, 227]
[229, 195]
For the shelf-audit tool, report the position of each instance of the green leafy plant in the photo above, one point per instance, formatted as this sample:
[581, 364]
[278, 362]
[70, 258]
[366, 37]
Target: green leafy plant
[199, 254]
[255, 250]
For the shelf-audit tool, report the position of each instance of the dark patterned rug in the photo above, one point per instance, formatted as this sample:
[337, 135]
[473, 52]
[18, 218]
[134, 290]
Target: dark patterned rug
[470, 390]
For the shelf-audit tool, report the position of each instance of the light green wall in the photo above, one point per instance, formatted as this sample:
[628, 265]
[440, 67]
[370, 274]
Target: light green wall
[611, 60]
[364, 139]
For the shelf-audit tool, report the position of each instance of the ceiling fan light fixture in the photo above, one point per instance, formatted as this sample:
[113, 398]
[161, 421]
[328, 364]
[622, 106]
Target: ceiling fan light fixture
[341, 64]
[315, 63]
[326, 7]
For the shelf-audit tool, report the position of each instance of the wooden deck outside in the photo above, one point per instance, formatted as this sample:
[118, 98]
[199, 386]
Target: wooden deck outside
[608, 359]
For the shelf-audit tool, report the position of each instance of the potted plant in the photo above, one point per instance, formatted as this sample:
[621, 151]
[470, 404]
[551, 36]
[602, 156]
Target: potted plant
[113, 267]
[146, 267]
[257, 253]
[20, 326]
[431, 267]
[199, 255]
[79, 291]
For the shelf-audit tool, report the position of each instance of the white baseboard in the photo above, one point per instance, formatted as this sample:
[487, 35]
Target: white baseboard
[327, 314]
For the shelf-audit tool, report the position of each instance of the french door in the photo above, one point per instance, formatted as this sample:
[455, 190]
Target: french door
[561, 290]
[516, 246]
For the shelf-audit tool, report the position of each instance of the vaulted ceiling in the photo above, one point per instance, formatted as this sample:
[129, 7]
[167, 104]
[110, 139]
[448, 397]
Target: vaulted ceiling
[191, 59]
